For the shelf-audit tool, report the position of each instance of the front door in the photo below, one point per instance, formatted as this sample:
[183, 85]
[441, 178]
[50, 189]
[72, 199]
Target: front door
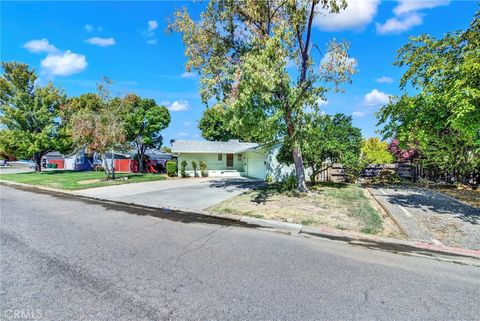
[229, 160]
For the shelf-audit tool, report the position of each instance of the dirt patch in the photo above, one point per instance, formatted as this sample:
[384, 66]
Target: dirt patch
[345, 207]
[89, 181]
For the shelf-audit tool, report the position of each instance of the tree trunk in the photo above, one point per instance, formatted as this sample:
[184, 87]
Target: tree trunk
[141, 159]
[113, 165]
[299, 169]
[105, 165]
[38, 162]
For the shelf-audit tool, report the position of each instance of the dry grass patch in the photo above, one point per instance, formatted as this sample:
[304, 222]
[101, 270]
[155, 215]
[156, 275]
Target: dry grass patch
[343, 206]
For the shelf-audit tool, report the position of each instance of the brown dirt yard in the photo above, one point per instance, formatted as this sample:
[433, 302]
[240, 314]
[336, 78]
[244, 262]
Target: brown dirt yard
[342, 206]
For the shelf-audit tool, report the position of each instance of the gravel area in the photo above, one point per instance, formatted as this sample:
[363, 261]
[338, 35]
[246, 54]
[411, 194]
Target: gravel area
[426, 215]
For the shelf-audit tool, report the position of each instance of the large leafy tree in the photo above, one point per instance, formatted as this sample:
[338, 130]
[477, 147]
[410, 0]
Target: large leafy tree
[214, 125]
[97, 124]
[144, 120]
[241, 50]
[30, 115]
[443, 116]
[375, 151]
[326, 139]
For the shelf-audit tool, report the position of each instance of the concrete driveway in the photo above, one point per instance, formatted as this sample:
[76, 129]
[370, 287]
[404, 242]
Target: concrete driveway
[182, 194]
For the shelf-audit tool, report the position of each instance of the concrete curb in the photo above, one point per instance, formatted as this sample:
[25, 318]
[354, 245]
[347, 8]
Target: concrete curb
[354, 238]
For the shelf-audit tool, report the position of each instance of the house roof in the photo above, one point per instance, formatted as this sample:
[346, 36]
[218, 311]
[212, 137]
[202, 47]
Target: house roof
[230, 147]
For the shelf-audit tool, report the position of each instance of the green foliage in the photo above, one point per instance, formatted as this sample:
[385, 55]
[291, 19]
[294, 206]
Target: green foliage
[144, 120]
[288, 183]
[98, 125]
[166, 149]
[203, 168]
[215, 125]
[443, 117]
[352, 166]
[375, 151]
[388, 176]
[171, 168]
[240, 50]
[183, 165]
[29, 115]
[325, 138]
[269, 179]
[194, 166]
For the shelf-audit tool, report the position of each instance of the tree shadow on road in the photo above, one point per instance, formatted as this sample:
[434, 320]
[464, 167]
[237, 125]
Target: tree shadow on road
[427, 200]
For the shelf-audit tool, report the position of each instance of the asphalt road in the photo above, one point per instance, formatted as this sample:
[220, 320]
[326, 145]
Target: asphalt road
[65, 258]
[430, 216]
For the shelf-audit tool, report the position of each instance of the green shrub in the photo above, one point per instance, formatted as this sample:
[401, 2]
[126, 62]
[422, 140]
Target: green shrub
[289, 183]
[171, 168]
[269, 179]
[203, 169]
[183, 165]
[194, 166]
[388, 176]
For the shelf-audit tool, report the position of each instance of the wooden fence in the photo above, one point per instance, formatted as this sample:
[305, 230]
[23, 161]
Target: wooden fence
[336, 173]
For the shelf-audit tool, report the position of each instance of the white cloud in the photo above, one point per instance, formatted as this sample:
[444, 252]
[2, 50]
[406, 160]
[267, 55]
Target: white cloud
[63, 64]
[101, 42]
[322, 102]
[375, 98]
[177, 105]
[150, 32]
[88, 27]
[407, 16]
[152, 25]
[359, 114]
[181, 134]
[356, 16]
[187, 123]
[405, 6]
[40, 45]
[188, 74]
[384, 80]
[399, 24]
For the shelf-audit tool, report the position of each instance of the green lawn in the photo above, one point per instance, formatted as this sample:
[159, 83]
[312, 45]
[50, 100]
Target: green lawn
[71, 180]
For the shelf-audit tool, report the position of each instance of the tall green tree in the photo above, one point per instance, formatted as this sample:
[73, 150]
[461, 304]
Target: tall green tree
[97, 124]
[30, 115]
[325, 138]
[215, 125]
[443, 117]
[144, 120]
[375, 151]
[241, 50]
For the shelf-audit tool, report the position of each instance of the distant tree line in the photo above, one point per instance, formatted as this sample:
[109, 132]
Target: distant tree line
[39, 119]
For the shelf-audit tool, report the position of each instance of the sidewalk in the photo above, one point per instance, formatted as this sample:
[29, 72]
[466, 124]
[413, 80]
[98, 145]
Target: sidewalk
[431, 250]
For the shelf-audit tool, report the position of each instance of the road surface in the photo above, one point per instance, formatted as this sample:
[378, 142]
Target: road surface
[65, 258]
[429, 216]
[187, 194]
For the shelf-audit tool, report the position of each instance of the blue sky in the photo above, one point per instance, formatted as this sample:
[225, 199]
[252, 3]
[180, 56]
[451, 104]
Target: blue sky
[74, 44]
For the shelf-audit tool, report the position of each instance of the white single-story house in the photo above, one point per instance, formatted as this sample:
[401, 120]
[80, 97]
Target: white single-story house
[232, 158]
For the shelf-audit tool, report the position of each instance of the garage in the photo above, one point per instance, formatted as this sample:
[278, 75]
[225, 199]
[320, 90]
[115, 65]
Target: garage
[256, 165]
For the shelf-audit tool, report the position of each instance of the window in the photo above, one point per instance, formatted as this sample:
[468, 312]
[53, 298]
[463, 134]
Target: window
[240, 157]
[219, 157]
